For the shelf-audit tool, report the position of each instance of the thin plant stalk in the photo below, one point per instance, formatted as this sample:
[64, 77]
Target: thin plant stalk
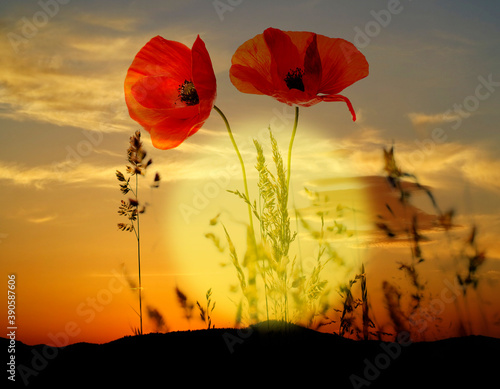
[289, 165]
[138, 235]
[288, 170]
[364, 302]
[136, 157]
[228, 127]
[136, 229]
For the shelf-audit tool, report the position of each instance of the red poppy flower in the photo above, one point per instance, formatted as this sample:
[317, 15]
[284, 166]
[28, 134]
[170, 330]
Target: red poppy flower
[301, 68]
[170, 90]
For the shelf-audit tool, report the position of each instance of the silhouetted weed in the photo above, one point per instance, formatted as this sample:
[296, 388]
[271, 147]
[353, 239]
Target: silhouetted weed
[136, 156]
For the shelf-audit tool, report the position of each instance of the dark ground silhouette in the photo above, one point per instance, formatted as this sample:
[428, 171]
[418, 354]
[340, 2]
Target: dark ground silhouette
[288, 356]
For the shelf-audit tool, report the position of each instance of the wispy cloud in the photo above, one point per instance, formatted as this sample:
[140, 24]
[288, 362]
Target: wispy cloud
[51, 85]
[41, 176]
[71, 73]
[34, 214]
[424, 123]
[418, 119]
[19, 175]
[358, 153]
[117, 23]
[40, 220]
[473, 163]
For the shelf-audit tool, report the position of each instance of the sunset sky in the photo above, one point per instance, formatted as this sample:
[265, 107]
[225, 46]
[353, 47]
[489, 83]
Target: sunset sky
[433, 91]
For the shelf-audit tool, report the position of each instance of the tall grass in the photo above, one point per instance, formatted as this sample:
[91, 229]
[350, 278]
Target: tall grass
[267, 258]
[467, 259]
[206, 311]
[132, 209]
[312, 289]
[273, 282]
[355, 318]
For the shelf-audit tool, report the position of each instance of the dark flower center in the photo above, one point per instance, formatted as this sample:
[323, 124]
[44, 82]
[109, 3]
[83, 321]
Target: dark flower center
[188, 94]
[293, 79]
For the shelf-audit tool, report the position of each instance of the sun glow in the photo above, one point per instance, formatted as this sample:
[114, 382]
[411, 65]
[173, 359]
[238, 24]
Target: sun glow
[204, 210]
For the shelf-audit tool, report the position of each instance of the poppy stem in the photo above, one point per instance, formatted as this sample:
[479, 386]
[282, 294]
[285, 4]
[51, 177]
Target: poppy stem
[241, 162]
[290, 147]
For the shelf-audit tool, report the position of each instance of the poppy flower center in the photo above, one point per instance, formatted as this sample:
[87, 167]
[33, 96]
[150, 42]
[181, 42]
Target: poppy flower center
[293, 79]
[188, 94]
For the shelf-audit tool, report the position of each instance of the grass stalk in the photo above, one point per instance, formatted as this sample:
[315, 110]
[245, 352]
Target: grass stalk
[138, 235]
[136, 156]
[292, 138]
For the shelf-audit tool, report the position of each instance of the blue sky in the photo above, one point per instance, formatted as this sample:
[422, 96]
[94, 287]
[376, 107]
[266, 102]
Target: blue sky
[433, 90]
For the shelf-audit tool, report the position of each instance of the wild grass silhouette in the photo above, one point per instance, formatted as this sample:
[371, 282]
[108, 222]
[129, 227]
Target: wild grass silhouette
[292, 295]
[354, 355]
[287, 291]
[136, 156]
[467, 260]
[274, 285]
[206, 311]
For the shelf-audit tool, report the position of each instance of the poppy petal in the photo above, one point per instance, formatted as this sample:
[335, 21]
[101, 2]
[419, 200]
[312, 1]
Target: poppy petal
[203, 72]
[155, 59]
[154, 83]
[312, 67]
[140, 114]
[301, 40]
[163, 57]
[343, 64]
[297, 67]
[249, 80]
[156, 92]
[171, 132]
[251, 65]
[165, 139]
[284, 56]
[297, 97]
[341, 98]
[151, 117]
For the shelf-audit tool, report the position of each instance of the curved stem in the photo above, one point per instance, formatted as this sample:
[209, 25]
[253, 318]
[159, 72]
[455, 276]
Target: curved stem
[241, 163]
[290, 147]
